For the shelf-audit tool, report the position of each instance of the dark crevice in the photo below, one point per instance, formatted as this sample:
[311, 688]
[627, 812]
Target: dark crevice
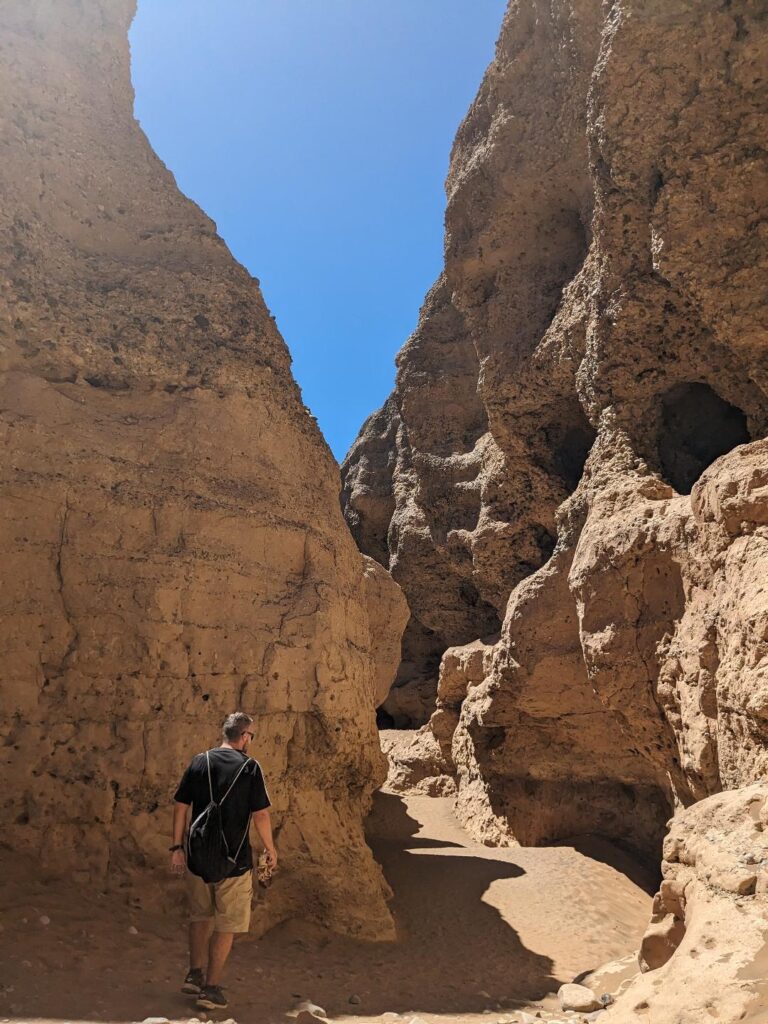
[697, 426]
[567, 443]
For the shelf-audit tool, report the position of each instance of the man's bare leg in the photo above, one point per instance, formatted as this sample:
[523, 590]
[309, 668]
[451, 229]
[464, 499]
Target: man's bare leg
[199, 937]
[218, 951]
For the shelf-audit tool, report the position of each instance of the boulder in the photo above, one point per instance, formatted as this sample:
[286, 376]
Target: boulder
[578, 998]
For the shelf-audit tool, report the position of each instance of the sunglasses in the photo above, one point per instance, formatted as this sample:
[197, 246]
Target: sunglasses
[251, 734]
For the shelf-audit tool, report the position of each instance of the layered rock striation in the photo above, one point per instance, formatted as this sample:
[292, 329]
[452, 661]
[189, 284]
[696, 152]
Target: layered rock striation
[172, 545]
[605, 271]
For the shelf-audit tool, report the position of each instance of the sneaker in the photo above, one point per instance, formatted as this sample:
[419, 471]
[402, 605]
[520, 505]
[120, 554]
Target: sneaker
[194, 981]
[212, 998]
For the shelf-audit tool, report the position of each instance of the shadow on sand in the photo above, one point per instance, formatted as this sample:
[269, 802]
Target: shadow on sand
[455, 954]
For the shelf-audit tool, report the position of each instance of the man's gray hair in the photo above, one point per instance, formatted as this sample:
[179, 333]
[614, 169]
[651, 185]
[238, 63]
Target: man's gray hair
[235, 725]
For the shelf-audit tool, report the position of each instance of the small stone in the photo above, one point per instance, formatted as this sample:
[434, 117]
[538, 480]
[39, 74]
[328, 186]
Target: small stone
[155, 1020]
[607, 999]
[307, 1006]
[579, 998]
[44, 919]
[355, 1000]
[390, 1015]
[133, 931]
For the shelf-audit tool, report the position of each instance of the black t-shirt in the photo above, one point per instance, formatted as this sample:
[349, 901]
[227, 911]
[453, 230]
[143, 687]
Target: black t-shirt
[248, 794]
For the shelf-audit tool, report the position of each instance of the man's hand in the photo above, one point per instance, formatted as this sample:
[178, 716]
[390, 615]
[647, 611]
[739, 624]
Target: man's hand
[272, 857]
[178, 862]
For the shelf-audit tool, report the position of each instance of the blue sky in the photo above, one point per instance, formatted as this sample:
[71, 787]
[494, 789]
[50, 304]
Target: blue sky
[316, 134]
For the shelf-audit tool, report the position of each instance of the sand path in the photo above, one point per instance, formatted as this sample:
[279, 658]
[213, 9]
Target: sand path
[482, 931]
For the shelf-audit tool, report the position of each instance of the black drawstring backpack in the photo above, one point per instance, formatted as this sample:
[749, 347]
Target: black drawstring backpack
[208, 854]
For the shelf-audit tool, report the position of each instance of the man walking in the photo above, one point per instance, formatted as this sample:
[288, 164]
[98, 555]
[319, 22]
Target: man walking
[220, 910]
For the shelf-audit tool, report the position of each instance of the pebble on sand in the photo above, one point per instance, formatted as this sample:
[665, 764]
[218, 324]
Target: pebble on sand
[307, 1007]
[579, 998]
[133, 930]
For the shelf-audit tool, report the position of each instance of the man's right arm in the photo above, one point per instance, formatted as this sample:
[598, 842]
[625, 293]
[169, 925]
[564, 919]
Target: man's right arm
[182, 801]
[178, 859]
[263, 823]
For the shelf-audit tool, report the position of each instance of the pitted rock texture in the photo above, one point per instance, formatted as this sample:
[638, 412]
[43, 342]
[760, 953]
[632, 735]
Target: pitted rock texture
[704, 952]
[428, 493]
[172, 545]
[605, 265]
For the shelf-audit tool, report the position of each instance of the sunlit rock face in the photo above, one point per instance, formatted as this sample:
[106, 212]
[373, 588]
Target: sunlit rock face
[172, 544]
[703, 954]
[605, 272]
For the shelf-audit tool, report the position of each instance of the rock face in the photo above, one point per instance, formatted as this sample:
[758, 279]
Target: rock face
[592, 366]
[172, 545]
[713, 899]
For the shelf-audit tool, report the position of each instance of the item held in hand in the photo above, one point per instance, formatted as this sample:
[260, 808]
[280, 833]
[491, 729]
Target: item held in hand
[263, 870]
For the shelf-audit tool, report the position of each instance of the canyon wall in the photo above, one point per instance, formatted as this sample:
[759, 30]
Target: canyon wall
[172, 544]
[576, 443]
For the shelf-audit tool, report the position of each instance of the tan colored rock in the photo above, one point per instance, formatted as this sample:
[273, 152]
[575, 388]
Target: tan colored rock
[604, 264]
[667, 926]
[417, 765]
[578, 998]
[387, 616]
[172, 546]
[716, 971]
[428, 493]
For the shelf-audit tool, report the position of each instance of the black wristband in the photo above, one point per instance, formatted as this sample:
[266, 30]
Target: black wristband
[172, 849]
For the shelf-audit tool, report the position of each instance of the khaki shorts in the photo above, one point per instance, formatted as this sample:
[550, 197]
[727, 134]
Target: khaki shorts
[227, 902]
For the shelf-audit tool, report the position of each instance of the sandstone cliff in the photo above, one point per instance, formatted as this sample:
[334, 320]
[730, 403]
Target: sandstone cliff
[704, 951]
[593, 367]
[172, 546]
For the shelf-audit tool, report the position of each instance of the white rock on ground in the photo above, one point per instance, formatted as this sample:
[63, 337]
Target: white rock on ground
[578, 998]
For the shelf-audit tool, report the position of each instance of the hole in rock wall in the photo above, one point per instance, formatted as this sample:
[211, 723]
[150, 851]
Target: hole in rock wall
[567, 443]
[486, 621]
[697, 426]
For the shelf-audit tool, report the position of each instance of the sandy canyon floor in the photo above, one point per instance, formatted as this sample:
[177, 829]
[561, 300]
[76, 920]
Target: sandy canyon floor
[483, 932]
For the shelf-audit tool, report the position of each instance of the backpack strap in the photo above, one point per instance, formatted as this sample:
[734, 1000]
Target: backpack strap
[210, 784]
[247, 824]
[245, 835]
[242, 769]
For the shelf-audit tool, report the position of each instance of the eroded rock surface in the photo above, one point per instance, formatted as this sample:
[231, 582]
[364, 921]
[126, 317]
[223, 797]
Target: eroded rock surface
[605, 269]
[172, 546]
[704, 952]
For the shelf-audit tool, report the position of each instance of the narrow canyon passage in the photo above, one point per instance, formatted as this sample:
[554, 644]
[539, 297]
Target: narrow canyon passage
[482, 932]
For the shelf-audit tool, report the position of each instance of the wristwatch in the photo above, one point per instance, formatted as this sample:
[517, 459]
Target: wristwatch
[172, 849]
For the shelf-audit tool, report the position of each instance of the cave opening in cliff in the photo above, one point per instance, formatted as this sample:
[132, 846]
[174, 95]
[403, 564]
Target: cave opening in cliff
[568, 442]
[697, 426]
